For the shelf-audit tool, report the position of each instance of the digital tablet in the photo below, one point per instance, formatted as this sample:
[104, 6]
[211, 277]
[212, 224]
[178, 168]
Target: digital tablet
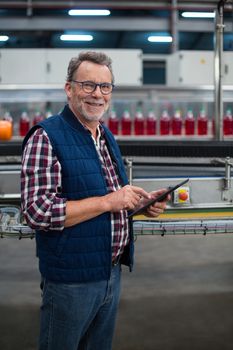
[158, 199]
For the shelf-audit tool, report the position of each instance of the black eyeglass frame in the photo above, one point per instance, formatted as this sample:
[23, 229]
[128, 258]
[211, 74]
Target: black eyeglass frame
[94, 86]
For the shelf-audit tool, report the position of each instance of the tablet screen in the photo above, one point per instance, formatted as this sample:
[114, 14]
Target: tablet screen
[158, 199]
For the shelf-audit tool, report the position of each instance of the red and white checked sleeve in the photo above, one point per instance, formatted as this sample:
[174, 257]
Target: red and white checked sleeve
[41, 201]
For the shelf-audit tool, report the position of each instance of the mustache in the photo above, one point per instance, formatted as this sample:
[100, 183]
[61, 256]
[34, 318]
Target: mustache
[94, 100]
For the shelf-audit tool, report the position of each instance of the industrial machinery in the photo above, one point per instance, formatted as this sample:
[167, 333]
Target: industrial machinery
[202, 206]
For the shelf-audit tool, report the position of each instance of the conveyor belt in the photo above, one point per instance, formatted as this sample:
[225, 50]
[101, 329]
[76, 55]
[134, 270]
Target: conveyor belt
[189, 221]
[151, 147]
[11, 148]
[191, 214]
[178, 222]
[203, 227]
[167, 148]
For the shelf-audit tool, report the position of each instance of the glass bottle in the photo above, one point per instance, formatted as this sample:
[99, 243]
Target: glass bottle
[202, 123]
[228, 123]
[151, 123]
[38, 117]
[165, 123]
[139, 123]
[7, 116]
[189, 123]
[113, 122]
[177, 123]
[126, 123]
[24, 123]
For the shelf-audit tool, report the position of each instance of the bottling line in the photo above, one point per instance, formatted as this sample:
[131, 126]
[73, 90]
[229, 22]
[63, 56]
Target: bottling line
[203, 206]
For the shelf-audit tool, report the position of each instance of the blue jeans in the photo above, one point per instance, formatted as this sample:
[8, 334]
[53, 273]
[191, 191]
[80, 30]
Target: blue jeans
[79, 316]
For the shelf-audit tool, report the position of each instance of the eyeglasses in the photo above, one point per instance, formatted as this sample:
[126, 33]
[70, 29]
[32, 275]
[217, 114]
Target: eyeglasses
[90, 86]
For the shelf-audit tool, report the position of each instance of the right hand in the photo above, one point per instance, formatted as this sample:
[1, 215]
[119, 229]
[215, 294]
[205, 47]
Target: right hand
[127, 198]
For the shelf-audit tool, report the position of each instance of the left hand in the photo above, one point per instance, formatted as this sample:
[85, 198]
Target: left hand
[158, 207]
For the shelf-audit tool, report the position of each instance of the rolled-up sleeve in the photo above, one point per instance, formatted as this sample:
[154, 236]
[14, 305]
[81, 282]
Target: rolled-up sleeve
[42, 204]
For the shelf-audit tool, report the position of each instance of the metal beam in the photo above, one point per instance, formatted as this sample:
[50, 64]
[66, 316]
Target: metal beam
[60, 24]
[133, 4]
[218, 71]
[174, 27]
[185, 25]
[116, 23]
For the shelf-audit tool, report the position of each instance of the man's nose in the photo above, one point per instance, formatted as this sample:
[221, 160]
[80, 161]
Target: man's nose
[97, 91]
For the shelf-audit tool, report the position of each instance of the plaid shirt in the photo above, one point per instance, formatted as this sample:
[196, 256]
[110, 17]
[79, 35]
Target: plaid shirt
[42, 205]
[119, 219]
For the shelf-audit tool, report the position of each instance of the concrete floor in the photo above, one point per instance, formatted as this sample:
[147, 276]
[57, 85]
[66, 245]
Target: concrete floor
[179, 297]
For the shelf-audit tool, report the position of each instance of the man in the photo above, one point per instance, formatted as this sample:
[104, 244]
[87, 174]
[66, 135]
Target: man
[76, 195]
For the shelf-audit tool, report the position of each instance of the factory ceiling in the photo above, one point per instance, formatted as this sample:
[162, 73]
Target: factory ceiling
[35, 23]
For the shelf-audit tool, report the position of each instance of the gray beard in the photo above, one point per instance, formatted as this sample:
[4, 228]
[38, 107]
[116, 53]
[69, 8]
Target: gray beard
[92, 118]
[87, 117]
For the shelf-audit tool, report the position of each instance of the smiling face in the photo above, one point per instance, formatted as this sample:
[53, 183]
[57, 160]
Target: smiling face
[89, 107]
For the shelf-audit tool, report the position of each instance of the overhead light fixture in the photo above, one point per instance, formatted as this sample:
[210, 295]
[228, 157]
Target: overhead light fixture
[160, 39]
[198, 14]
[101, 12]
[4, 37]
[76, 37]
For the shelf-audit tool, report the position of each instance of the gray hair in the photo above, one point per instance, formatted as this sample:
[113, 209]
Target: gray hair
[92, 56]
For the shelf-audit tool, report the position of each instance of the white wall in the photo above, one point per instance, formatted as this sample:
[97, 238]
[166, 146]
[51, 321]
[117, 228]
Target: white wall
[197, 68]
[42, 66]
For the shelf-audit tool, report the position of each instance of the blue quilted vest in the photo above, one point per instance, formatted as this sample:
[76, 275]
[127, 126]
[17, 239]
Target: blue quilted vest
[80, 253]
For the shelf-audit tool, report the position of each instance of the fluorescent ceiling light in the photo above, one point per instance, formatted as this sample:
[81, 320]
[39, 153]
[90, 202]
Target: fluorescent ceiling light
[198, 14]
[4, 37]
[89, 12]
[76, 37]
[159, 39]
